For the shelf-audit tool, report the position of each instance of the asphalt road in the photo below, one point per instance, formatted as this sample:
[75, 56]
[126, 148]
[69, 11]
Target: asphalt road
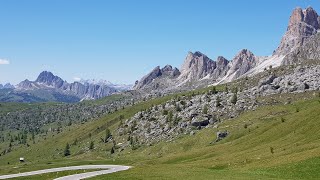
[105, 169]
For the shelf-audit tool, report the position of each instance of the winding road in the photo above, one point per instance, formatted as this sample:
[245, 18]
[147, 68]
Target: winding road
[105, 169]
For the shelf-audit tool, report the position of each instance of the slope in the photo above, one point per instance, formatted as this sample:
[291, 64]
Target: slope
[266, 143]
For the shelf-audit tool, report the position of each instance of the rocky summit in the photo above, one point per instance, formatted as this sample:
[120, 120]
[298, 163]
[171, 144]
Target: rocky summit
[302, 25]
[196, 66]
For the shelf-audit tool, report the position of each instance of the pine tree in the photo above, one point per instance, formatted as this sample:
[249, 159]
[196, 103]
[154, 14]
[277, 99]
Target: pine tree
[214, 90]
[67, 150]
[108, 135]
[91, 146]
[234, 98]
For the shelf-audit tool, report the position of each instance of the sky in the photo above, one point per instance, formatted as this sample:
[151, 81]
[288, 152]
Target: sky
[122, 40]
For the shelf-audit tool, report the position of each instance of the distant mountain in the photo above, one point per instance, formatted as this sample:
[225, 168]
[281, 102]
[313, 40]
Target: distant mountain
[121, 87]
[300, 39]
[48, 87]
[7, 86]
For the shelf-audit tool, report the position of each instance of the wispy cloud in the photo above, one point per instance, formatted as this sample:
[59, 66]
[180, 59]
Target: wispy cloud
[4, 61]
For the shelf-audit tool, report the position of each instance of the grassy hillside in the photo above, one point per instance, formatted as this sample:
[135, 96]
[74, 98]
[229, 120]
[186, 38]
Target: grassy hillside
[280, 141]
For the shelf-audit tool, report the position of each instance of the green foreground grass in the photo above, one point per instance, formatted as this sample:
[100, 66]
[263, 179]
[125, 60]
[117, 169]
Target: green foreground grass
[272, 142]
[55, 174]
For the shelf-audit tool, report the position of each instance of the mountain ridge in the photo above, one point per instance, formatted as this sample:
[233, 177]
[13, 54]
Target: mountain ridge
[199, 70]
[49, 87]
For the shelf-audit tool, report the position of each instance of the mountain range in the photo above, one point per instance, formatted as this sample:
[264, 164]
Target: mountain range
[199, 70]
[6, 86]
[48, 87]
[300, 42]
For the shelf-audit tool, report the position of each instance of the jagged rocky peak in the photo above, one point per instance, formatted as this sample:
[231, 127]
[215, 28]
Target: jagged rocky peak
[196, 66]
[166, 72]
[26, 84]
[303, 23]
[170, 71]
[49, 79]
[242, 63]
[221, 61]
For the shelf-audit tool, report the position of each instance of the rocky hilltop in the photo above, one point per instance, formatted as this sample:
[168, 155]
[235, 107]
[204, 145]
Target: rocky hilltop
[199, 70]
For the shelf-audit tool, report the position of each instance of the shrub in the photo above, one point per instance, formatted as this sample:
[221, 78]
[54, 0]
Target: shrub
[205, 109]
[271, 150]
[234, 98]
[218, 102]
[170, 116]
[164, 112]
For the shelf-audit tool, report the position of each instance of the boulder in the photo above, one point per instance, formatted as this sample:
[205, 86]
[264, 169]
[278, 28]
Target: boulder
[221, 135]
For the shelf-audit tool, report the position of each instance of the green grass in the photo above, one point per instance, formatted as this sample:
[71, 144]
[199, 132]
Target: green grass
[245, 154]
[55, 174]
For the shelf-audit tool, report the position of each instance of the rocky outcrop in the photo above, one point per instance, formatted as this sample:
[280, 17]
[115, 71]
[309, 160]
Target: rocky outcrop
[167, 72]
[221, 68]
[302, 25]
[196, 66]
[221, 135]
[310, 51]
[242, 63]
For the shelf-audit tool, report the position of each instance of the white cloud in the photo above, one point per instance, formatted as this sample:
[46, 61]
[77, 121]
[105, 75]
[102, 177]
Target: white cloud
[77, 79]
[4, 61]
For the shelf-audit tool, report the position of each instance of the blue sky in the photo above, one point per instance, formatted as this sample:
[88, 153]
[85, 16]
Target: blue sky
[122, 40]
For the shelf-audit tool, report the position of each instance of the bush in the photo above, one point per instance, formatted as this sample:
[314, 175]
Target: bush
[170, 116]
[218, 102]
[271, 150]
[165, 112]
[205, 109]
[234, 98]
